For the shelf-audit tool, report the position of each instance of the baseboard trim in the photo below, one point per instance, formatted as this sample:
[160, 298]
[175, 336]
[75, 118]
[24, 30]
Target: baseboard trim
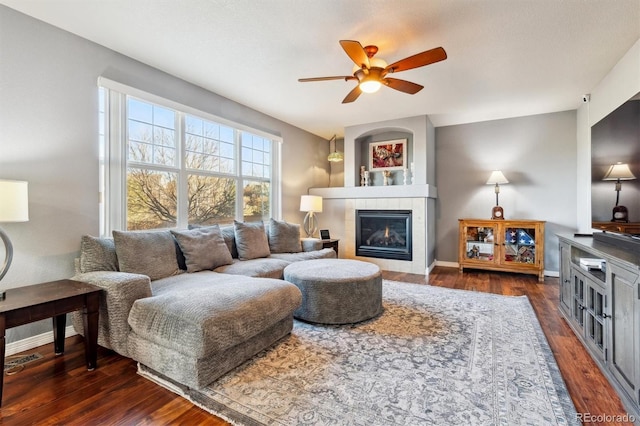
[35, 341]
[447, 264]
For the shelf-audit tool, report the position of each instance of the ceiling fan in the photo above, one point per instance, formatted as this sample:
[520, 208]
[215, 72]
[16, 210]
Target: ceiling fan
[371, 73]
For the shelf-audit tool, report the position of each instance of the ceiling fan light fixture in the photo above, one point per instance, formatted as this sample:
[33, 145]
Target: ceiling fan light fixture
[370, 86]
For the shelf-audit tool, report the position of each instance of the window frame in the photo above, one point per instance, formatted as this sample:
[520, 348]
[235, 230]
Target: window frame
[114, 163]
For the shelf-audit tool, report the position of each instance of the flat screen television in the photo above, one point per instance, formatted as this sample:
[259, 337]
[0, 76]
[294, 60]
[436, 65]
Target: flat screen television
[615, 140]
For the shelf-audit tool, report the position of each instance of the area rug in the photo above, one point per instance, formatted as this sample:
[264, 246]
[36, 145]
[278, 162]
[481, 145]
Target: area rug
[435, 356]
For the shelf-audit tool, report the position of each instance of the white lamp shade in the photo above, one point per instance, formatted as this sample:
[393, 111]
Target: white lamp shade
[497, 177]
[311, 203]
[619, 171]
[14, 201]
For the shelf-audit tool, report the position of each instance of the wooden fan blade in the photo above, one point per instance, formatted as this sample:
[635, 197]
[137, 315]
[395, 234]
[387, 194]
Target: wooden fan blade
[419, 60]
[338, 77]
[356, 52]
[403, 85]
[353, 95]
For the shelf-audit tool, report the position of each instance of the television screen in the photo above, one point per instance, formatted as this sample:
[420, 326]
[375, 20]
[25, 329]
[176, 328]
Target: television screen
[615, 153]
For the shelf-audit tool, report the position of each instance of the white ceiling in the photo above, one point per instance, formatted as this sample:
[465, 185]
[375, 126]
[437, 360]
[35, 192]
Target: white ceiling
[506, 58]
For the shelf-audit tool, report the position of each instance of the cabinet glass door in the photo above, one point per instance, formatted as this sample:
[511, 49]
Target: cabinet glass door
[595, 319]
[578, 300]
[520, 245]
[480, 243]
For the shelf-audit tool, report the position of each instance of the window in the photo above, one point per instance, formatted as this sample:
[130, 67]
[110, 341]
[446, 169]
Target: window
[172, 166]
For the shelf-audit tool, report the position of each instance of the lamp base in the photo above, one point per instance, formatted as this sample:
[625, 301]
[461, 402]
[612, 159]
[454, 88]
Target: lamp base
[620, 214]
[497, 213]
[310, 224]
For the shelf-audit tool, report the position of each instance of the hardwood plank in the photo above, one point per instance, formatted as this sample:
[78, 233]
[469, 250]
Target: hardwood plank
[60, 390]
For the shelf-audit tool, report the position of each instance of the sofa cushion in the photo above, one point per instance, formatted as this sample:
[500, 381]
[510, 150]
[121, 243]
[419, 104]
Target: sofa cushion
[284, 237]
[229, 311]
[327, 253]
[151, 253]
[264, 267]
[251, 240]
[203, 248]
[97, 254]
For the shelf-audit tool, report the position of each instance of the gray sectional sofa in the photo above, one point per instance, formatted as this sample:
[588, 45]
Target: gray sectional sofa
[194, 304]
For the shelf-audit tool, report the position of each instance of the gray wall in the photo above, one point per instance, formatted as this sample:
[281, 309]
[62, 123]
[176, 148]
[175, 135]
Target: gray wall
[537, 154]
[49, 137]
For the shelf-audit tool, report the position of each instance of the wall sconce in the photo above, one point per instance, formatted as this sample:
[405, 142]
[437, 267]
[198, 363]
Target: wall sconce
[619, 172]
[497, 178]
[14, 207]
[311, 204]
[335, 156]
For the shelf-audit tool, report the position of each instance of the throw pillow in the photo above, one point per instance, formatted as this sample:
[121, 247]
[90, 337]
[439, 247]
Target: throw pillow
[151, 253]
[229, 234]
[97, 254]
[251, 240]
[284, 237]
[203, 248]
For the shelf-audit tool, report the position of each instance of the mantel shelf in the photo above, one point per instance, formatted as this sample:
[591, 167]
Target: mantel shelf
[390, 191]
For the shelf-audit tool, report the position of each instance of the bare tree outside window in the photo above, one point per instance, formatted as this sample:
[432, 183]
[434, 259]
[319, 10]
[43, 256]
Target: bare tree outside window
[210, 163]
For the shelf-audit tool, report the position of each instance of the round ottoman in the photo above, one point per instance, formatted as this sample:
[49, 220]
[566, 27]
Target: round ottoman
[336, 291]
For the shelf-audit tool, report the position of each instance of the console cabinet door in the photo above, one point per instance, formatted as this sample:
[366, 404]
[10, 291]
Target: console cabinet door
[565, 279]
[624, 357]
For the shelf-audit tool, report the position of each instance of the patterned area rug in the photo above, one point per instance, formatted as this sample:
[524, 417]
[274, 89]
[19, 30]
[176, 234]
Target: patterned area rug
[435, 356]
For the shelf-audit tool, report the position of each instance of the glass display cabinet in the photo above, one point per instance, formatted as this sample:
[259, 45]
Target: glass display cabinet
[502, 245]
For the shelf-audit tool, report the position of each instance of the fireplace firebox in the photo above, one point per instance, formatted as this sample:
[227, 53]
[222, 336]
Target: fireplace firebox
[384, 234]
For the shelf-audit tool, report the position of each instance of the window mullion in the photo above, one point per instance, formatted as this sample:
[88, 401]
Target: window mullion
[183, 176]
[239, 177]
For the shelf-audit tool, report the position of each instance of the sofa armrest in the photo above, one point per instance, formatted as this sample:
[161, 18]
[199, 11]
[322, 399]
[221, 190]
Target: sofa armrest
[121, 290]
[311, 244]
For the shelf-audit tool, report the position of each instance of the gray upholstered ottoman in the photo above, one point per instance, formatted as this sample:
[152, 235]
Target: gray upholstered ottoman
[336, 291]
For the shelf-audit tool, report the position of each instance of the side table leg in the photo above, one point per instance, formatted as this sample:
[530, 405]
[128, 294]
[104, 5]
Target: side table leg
[90, 322]
[2, 352]
[59, 325]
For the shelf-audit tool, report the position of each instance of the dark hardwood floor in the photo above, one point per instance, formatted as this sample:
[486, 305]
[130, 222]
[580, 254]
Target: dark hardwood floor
[58, 390]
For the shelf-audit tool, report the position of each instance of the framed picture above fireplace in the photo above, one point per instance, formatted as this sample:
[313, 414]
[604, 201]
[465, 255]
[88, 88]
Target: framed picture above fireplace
[388, 155]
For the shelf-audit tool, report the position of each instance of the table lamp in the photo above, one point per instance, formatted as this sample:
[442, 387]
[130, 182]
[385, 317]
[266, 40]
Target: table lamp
[619, 172]
[14, 207]
[497, 178]
[311, 204]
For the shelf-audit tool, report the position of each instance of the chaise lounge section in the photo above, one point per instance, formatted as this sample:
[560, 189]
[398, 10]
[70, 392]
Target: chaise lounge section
[195, 304]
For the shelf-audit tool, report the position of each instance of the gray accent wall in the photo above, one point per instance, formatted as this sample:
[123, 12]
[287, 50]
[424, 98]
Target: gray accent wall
[49, 137]
[537, 154]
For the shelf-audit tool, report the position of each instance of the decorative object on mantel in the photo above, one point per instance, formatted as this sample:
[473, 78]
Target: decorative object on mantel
[311, 204]
[14, 207]
[387, 155]
[387, 175]
[412, 173]
[362, 170]
[434, 356]
[619, 172]
[405, 176]
[366, 178]
[336, 156]
[497, 178]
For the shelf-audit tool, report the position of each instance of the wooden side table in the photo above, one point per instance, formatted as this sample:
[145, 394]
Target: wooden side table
[331, 243]
[54, 299]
